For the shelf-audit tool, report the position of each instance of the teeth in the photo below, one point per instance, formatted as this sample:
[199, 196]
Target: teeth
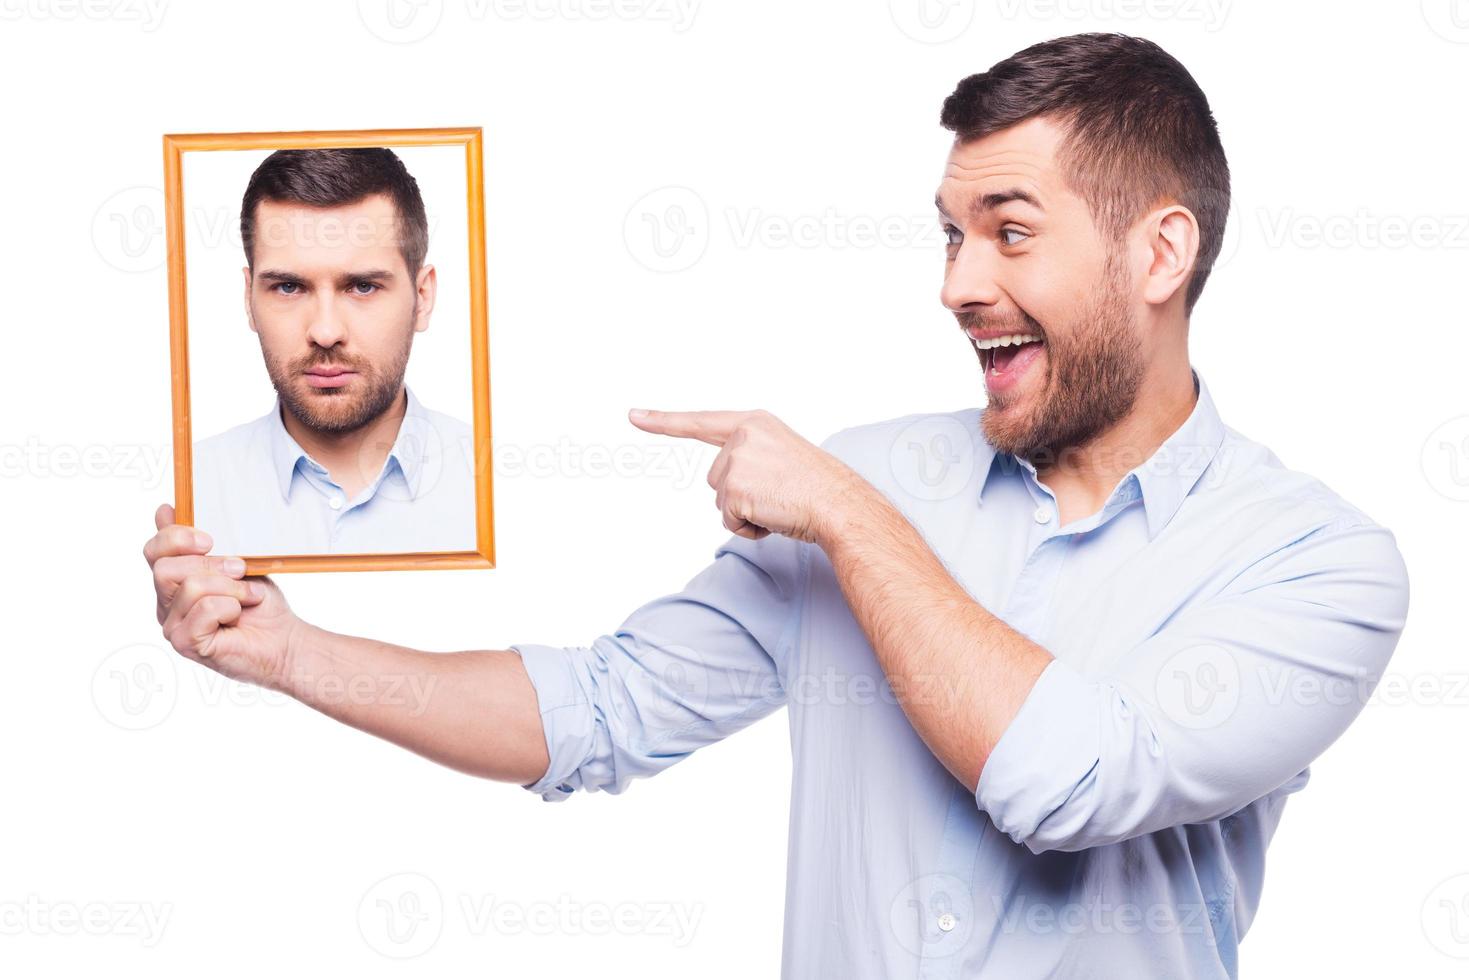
[1006, 341]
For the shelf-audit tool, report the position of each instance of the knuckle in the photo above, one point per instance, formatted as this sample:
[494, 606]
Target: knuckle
[181, 539]
[189, 591]
[166, 542]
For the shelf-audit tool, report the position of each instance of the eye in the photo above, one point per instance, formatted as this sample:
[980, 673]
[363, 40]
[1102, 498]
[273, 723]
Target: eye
[954, 235]
[286, 288]
[371, 287]
[1006, 232]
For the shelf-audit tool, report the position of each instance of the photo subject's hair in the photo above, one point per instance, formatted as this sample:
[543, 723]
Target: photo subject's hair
[334, 177]
[1139, 131]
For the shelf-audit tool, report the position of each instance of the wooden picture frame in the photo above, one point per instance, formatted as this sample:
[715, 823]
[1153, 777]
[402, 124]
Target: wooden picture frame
[471, 139]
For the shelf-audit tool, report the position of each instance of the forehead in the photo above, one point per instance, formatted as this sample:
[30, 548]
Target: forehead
[1021, 157]
[287, 230]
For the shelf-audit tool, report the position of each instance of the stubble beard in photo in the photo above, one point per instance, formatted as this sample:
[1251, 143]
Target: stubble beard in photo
[340, 410]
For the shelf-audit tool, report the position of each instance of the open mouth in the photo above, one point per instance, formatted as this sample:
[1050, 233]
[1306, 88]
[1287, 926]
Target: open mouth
[1006, 359]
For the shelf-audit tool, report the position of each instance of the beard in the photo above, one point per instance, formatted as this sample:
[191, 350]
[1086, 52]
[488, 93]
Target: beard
[339, 410]
[1093, 372]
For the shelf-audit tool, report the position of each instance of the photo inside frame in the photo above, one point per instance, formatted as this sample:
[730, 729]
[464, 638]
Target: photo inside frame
[289, 460]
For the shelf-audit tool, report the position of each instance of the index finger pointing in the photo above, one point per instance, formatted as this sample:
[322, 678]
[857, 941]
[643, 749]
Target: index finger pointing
[711, 427]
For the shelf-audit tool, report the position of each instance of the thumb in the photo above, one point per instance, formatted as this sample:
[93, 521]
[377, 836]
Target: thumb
[163, 516]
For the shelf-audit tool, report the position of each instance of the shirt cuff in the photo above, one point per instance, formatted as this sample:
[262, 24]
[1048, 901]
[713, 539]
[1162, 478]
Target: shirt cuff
[1050, 747]
[566, 717]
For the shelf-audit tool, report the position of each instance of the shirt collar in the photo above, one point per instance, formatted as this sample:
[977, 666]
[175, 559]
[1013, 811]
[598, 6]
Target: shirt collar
[407, 452]
[1164, 479]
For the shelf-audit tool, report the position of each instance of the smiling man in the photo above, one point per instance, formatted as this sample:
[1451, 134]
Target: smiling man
[336, 288]
[1053, 665]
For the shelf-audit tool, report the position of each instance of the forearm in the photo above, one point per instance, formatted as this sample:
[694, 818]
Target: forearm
[475, 711]
[959, 672]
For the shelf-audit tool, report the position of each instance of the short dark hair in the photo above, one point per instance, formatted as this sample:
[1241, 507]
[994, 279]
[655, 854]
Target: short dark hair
[1138, 130]
[332, 177]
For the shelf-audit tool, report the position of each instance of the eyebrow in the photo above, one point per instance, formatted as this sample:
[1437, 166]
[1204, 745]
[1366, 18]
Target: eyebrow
[277, 275]
[994, 199]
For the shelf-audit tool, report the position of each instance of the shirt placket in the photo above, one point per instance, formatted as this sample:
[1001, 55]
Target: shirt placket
[955, 911]
[332, 496]
[954, 923]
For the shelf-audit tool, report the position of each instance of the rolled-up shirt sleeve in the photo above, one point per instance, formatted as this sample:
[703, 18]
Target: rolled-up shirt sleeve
[682, 671]
[1230, 700]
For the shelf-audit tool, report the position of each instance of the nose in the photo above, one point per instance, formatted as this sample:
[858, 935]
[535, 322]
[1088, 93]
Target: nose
[969, 280]
[327, 327]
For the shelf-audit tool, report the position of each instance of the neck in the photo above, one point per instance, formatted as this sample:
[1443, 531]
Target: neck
[352, 458]
[1084, 477]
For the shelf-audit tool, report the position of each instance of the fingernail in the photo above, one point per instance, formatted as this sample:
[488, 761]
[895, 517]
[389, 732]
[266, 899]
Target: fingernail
[202, 541]
[638, 413]
[257, 591]
[234, 566]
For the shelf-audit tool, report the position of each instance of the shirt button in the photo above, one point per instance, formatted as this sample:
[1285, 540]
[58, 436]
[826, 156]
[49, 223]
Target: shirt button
[1042, 515]
[947, 921]
[335, 503]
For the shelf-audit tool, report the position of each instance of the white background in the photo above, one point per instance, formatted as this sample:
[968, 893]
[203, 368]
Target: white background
[135, 782]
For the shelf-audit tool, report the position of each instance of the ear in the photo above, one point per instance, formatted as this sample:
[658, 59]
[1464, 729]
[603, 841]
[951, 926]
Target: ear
[1173, 242]
[427, 286]
[249, 312]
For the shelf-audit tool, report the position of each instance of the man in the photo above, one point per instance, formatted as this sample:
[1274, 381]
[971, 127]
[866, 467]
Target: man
[1043, 660]
[336, 286]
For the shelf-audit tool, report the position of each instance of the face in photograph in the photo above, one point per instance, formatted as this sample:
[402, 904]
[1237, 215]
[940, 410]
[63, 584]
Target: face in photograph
[335, 306]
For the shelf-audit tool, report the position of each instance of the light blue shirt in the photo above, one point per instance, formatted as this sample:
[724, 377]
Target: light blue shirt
[1215, 626]
[257, 492]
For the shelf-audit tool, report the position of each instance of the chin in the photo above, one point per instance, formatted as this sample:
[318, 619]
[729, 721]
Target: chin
[1008, 426]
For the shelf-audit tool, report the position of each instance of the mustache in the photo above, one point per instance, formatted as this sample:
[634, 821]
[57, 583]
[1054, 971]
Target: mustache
[1021, 322]
[327, 361]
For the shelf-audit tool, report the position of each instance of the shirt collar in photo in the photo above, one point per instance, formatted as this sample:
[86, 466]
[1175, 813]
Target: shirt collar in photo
[1166, 477]
[286, 453]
